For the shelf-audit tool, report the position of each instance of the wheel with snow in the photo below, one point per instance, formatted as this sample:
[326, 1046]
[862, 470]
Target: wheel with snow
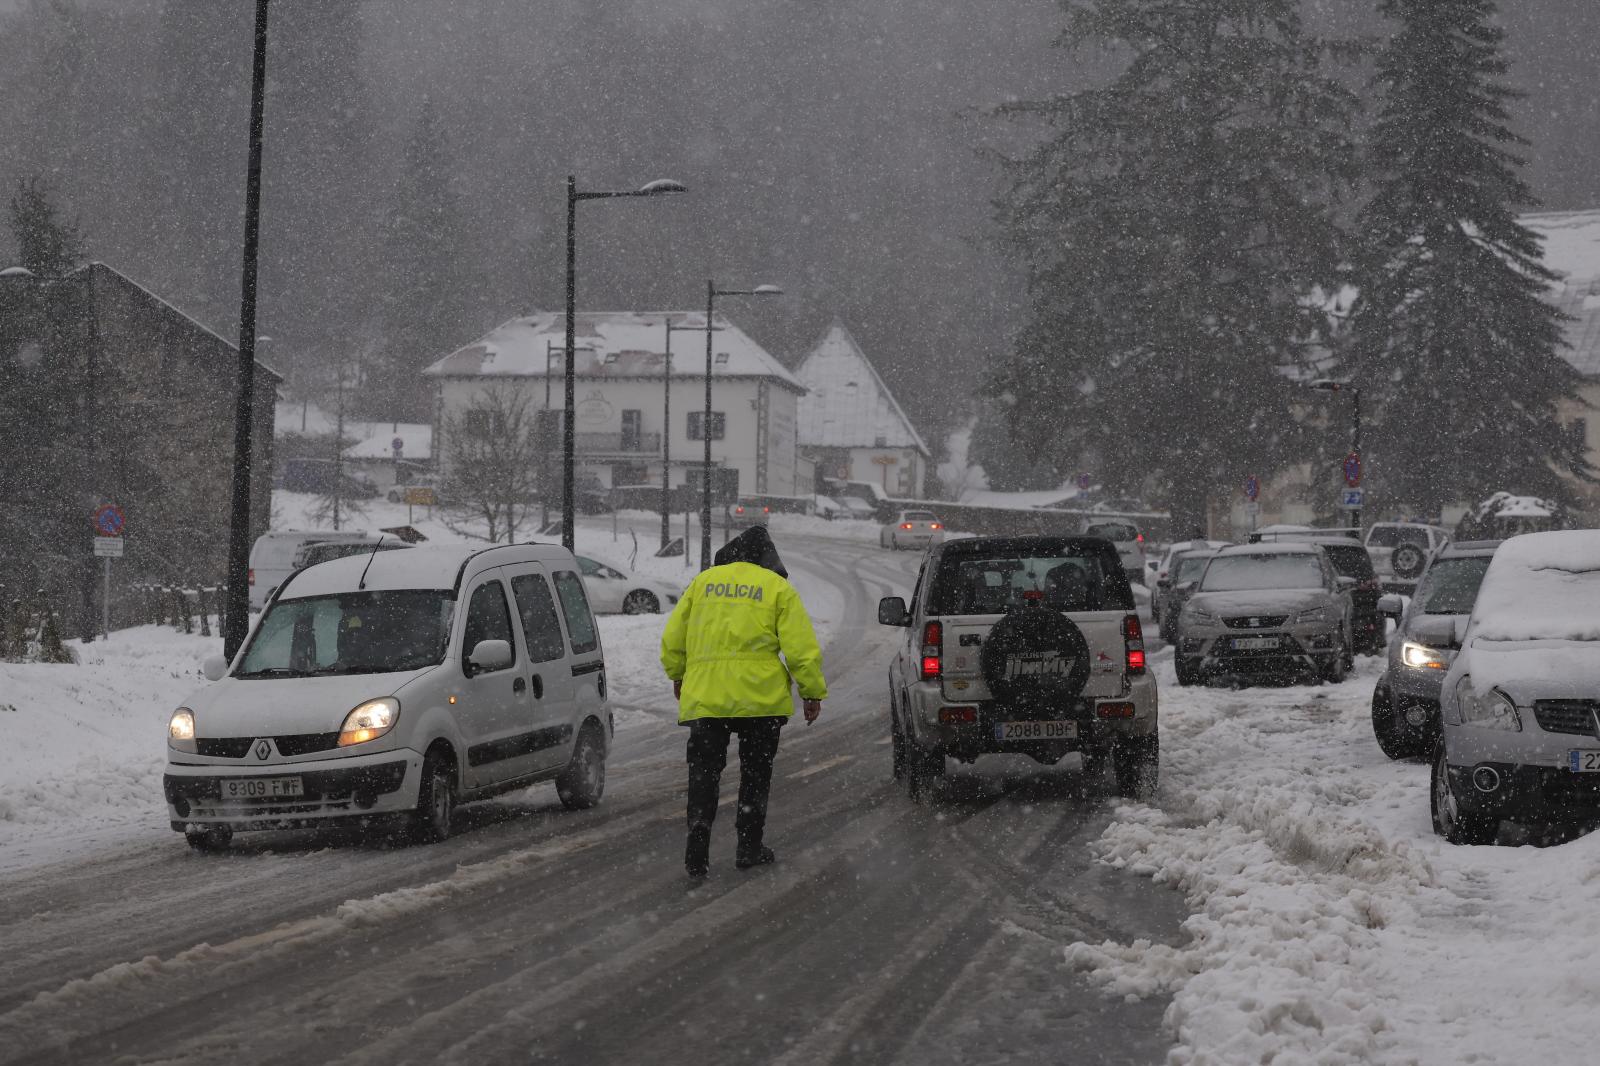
[1452, 820]
[211, 838]
[897, 744]
[640, 601]
[436, 799]
[1137, 762]
[1408, 561]
[924, 769]
[1096, 757]
[1035, 661]
[1395, 738]
[583, 782]
[1337, 665]
[1187, 669]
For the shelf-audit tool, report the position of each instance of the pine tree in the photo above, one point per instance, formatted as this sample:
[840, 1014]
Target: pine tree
[1449, 321]
[425, 292]
[1175, 227]
[46, 244]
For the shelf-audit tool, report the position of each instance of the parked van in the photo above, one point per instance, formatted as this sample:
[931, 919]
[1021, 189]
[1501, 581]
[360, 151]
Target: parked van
[272, 557]
[389, 687]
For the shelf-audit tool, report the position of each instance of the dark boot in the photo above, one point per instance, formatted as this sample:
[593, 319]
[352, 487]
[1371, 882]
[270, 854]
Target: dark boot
[759, 858]
[697, 855]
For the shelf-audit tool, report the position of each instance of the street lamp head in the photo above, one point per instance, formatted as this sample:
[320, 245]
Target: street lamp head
[766, 290]
[17, 273]
[662, 185]
[1329, 384]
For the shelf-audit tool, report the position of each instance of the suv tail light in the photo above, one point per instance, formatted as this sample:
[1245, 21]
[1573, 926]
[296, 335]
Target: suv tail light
[252, 579]
[1133, 644]
[739, 509]
[932, 651]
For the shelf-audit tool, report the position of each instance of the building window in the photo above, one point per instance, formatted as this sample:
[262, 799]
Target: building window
[719, 425]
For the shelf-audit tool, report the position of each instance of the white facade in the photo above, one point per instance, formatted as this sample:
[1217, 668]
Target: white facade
[852, 423]
[620, 389]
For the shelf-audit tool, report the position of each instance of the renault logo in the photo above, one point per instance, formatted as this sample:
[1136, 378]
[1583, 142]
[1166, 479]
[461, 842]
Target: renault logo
[263, 750]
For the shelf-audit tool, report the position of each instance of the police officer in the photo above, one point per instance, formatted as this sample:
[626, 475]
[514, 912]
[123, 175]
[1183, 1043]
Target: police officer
[722, 649]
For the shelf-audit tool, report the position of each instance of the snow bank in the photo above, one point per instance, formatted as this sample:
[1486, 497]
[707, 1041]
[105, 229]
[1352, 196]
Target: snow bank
[1331, 925]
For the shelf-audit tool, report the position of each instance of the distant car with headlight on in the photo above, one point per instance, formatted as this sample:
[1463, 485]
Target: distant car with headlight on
[384, 689]
[912, 529]
[1519, 708]
[1405, 702]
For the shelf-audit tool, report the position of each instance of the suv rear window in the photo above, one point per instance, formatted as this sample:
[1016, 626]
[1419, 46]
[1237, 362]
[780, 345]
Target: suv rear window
[1350, 562]
[1119, 531]
[993, 583]
[920, 516]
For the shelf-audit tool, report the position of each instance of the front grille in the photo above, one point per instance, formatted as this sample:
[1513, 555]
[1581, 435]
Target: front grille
[239, 747]
[305, 743]
[223, 747]
[1256, 621]
[1566, 716]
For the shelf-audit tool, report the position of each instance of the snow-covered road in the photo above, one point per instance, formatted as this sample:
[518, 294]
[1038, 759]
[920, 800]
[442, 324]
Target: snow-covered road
[888, 931]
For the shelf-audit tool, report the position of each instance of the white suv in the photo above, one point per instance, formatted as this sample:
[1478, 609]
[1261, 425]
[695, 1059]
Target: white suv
[1024, 645]
[392, 686]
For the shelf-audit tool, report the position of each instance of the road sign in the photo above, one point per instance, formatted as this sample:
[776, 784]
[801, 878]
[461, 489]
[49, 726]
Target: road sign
[399, 445]
[108, 520]
[421, 496]
[1252, 508]
[1353, 498]
[108, 547]
[1252, 488]
[1352, 469]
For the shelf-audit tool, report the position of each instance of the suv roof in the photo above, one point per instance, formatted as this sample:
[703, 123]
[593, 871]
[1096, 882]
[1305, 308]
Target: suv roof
[1466, 548]
[1295, 547]
[441, 567]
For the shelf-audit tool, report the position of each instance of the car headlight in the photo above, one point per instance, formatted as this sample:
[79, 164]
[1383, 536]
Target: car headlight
[369, 721]
[180, 731]
[1316, 614]
[1421, 657]
[1488, 710]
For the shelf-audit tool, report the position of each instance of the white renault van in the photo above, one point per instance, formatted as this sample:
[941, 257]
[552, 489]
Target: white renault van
[391, 686]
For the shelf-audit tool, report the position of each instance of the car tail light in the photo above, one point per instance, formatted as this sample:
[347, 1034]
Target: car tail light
[766, 510]
[932, 651]
[1115, 710]
[955, 715]
[934, 525]
[252, 578]
[1139, 538]
[905, 525]
[1133, 643]
[738, 510]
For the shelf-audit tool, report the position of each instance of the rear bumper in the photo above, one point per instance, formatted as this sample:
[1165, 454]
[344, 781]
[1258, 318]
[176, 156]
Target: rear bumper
[969, 740]
[384, 783]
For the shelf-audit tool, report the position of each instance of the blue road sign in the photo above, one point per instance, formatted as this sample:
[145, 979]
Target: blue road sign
[1352, 470]
[1252, 488]
[108, 520]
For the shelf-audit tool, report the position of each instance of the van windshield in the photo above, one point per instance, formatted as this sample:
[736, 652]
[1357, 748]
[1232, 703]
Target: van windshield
[351, 633]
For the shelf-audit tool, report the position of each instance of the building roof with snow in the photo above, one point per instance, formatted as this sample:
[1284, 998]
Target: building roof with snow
[847, 405]
[611, 345]
[1572, 250]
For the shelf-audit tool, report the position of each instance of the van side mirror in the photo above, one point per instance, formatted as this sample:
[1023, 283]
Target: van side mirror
[1390, 605]
[892, 612]
[215, 668]
[490, 655]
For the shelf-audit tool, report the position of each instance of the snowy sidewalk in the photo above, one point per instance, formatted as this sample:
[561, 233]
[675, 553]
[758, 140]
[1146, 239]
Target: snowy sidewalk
[1330, 924]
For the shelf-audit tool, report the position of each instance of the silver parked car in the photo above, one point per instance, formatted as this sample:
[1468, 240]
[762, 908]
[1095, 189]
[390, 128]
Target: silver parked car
[1520, 706]
[1405, 702]
[1182, 579]
[1266, 610]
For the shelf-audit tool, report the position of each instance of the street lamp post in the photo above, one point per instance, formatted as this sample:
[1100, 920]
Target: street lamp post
[568, 441]
[712, 292]
[1330, 385]
[666, 437]
[238, 607]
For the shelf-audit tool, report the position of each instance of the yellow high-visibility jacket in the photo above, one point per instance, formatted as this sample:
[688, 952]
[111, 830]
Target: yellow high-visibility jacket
[724, 640]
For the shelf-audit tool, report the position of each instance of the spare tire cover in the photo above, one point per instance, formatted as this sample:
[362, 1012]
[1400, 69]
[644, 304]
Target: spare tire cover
[1035, 659]
[1407, 560]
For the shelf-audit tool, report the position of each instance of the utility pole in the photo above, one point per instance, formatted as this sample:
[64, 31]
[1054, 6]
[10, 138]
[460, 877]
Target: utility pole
[238, 621]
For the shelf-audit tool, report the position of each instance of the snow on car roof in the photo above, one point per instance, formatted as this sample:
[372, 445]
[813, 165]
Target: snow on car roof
[1299, 547]
[1542, 586]
[433, 567]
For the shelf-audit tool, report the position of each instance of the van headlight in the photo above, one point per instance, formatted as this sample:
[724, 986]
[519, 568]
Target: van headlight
[369, 721]
[1421, 657]
[180, 731]
[1488, 710]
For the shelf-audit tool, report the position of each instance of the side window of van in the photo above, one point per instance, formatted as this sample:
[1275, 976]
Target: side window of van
[575, 605]
[488, 618]
[540, 627]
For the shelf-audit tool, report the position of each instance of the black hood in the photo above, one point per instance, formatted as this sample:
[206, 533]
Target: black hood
[754, 545]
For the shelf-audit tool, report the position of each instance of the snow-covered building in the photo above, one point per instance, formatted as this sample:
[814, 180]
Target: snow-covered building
[622, 384]
[852, 423]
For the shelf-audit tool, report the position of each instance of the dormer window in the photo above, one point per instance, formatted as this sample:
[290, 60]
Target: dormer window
[722, 358]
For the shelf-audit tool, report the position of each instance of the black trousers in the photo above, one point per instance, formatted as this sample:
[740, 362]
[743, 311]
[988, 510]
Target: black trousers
[708, 755]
